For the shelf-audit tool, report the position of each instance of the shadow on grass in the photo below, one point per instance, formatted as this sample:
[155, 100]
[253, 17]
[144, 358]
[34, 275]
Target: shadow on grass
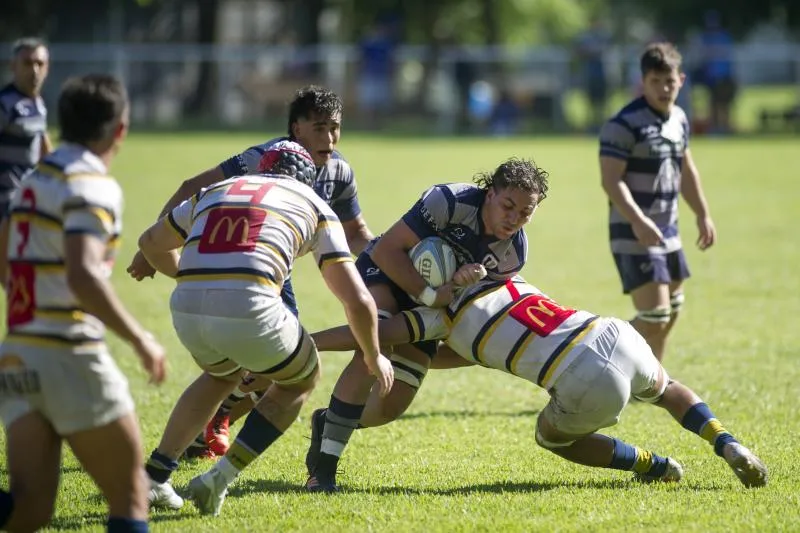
[251, 486]
[466, 413]
[64, 470]
[91, 519]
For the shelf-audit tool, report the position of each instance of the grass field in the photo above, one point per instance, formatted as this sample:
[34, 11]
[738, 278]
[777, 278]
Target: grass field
[464, 457]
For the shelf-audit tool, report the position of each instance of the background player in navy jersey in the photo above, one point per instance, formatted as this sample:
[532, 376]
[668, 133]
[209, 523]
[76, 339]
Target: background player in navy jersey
[23, 116]
[315, 119]
[483, 223]
[645, 164]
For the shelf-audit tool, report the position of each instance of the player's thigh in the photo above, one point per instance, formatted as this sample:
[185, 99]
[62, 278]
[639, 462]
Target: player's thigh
[33, 454]
[651, 295]
[589, 395]
[112, 455]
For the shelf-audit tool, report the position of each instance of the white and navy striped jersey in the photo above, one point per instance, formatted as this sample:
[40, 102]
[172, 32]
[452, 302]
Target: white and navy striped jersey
[23, 124]
[653, 146]
[509, 326]
[245, 233]
[69, 192]
[453, 212]
[335, 183]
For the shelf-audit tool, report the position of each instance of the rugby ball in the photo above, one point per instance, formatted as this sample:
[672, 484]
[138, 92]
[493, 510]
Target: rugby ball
[435, 261]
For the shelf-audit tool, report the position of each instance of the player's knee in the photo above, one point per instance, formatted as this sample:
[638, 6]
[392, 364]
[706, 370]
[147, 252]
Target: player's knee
[655, 393]
[676, 301]
[548, 438]
[409, 372]
[653, 322]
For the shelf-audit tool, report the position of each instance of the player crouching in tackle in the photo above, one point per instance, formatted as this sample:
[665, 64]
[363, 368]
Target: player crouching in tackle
[239, 240]
[590, 366]
[483, 223]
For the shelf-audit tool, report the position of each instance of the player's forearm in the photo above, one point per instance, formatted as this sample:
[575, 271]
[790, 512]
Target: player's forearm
[692, 192]
[395, 263]
[338, 339]
[164, 262]
[620, 195]
[46, 147]
[362, 316]
[97, 297]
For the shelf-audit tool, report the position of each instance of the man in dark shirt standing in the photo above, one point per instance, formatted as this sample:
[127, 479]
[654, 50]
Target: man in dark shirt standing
[23, 116]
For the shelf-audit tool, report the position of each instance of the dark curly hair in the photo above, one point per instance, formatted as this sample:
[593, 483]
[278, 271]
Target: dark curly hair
[518, 174]
[313, 100]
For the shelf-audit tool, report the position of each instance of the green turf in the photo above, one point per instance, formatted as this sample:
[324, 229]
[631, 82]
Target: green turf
[464, 457]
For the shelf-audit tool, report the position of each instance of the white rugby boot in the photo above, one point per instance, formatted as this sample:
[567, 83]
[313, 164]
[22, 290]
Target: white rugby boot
[744, 463]
[208, 492]
[672, 474]
[163, 495]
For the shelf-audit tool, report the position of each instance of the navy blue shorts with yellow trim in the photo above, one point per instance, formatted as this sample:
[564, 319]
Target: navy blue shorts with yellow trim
[372, 275]
[636, 270]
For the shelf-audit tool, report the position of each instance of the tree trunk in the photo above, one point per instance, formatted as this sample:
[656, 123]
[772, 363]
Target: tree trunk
[202, 100]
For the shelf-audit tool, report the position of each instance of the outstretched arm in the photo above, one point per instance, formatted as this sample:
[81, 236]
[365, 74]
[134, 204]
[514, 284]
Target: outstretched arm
[341, 339]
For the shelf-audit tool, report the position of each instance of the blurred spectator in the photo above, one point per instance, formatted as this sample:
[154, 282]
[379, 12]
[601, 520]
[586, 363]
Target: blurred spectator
[465, 73]
[505, 115]
[377, 71]
[716, 71]
[590, 47]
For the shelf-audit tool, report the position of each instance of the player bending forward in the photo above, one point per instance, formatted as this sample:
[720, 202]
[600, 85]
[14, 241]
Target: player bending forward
[240, 238]
[589, 365]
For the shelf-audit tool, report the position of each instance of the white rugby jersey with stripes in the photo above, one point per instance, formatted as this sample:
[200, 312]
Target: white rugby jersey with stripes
[245, 233]
[67, 193]
[509, 326]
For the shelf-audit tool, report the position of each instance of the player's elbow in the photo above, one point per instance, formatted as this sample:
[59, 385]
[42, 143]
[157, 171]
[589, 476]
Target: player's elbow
[361, 304]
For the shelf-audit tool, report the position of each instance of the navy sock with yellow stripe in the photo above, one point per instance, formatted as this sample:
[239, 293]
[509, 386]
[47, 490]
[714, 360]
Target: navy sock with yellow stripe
[627, 457]
[257, 434]
[699, 419]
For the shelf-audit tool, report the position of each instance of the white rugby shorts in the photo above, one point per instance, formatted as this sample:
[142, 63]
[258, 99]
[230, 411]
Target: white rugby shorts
[227, 330]
[594, 389]
[74, 389]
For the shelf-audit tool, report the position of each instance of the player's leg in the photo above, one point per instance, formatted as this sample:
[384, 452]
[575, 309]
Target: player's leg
[678, 269]
[650, 383]
[590, 395]
[112, 456]
[238, 403]
[332, 428]
[194, 408]
[411, 363]
[33, 457]
[646, 278]
[294, 372]
[653, 315]
[196, 405]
